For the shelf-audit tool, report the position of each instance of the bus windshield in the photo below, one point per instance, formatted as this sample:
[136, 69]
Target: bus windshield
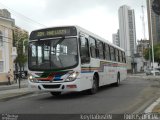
[53, 54]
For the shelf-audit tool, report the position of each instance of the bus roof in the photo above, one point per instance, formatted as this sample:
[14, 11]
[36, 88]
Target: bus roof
[80, 29]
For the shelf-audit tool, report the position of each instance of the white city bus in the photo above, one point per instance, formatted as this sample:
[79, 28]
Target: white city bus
[72, 59]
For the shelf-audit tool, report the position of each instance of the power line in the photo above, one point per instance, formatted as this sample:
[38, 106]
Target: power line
[23, 16]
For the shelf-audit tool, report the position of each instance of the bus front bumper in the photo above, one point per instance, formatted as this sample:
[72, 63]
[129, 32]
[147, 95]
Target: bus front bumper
[55, 87]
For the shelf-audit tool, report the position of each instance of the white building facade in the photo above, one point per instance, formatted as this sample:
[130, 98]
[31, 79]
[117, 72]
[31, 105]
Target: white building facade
[7, 51]
[127, 30]
[127, 34]
[115, 39]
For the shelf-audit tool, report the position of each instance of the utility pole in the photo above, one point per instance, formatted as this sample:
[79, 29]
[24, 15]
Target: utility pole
[150, 12]
[144, 34]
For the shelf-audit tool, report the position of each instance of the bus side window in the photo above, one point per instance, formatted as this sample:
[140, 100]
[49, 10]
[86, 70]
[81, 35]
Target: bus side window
[97, 50]
[112, 52]
[120, 56]
[107, 52]
[100, 49]
[84, 50]
[92, 43]
[117, 55]
[124, 58]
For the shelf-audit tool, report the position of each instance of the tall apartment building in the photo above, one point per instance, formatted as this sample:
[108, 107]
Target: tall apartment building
[7, 51]
[115, 38]
[127, 30]
[155, 24]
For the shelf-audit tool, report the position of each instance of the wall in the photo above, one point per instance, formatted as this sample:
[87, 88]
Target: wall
[6, 49]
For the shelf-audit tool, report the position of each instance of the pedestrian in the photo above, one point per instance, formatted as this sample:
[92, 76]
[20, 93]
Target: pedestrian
[9, 75]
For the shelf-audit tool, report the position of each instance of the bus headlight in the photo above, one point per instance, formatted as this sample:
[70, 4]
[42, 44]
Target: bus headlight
[32, 79]
[72, 76]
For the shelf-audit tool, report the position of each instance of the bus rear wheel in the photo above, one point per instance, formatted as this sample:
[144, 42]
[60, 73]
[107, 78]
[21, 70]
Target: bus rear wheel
[55, 93]
[95, 86]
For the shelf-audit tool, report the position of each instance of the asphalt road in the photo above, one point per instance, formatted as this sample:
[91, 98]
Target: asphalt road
[133, 95]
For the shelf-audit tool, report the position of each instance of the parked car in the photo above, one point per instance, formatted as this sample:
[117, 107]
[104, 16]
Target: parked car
[151, 71]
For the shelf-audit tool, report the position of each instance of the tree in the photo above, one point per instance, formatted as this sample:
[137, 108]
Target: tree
[148, 53]
[157, 53]
[19, 40]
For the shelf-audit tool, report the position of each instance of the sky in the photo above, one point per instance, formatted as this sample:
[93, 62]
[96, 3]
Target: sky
[97, 16]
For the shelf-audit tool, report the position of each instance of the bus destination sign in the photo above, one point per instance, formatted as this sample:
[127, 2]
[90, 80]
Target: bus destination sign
[53, 32]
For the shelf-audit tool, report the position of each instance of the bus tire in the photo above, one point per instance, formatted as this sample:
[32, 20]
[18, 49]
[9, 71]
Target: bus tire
[118, 80]
[95, 86]
[55, 93]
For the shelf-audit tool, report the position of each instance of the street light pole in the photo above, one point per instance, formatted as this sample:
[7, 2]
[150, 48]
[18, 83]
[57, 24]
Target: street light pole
[150, 11]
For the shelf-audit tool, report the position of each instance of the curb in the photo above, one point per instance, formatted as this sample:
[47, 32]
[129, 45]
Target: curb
[7, 97]
[2, 88]
[145, 77]
[152, 106]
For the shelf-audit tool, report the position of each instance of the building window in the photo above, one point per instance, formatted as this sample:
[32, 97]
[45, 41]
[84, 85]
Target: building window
[1, 66]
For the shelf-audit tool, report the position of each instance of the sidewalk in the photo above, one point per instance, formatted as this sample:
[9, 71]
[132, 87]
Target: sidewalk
[144, 76]
[8, 92]
[155, 107]
[23, 84]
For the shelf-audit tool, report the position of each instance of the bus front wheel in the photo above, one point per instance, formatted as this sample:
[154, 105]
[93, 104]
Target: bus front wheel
[55, 93]
[94, 88]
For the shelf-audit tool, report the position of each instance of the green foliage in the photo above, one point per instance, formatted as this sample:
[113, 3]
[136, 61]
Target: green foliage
[157, 53]
[20, 39]
[148, 53]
